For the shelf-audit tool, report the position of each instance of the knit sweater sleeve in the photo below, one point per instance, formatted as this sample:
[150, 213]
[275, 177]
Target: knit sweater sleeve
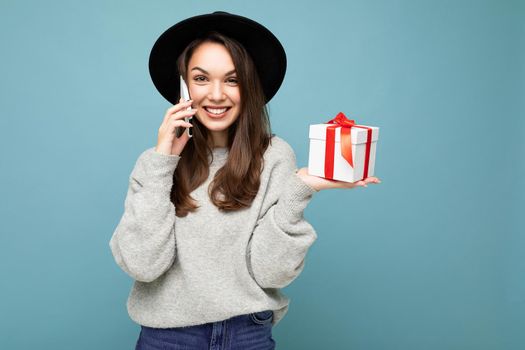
[143, 243]
[279, 243]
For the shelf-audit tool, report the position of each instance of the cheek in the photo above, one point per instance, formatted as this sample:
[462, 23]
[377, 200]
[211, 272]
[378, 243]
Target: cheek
[196, 93]
[236, 97]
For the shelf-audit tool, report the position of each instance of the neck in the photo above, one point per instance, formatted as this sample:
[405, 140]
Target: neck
[219, 138]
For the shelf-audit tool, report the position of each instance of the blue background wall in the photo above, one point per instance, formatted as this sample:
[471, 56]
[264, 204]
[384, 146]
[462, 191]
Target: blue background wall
[432, 258]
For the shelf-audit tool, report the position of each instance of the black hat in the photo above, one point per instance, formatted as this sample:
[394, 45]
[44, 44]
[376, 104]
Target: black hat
[264, 48]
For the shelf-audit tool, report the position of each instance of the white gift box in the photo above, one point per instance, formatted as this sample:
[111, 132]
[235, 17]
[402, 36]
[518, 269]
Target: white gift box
[341, 169]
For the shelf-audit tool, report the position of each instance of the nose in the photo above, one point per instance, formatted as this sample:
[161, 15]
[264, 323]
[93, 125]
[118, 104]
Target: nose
[216, 92]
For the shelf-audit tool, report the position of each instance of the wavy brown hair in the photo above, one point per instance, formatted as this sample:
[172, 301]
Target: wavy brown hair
[236, 184]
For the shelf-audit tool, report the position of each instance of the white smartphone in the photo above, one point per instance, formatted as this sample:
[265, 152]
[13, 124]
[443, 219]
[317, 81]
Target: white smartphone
[185, 94]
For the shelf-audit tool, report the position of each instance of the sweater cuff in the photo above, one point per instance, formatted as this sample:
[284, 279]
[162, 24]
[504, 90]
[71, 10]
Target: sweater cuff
[158, 168]
[294, 199]
[303, 189]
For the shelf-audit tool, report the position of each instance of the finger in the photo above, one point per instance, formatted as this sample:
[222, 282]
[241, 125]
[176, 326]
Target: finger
[181, 123]
[183, 139]
[179, 107]
[174, 109]
[183, 105]
[180, 143]
[183, 114]
[372, 179]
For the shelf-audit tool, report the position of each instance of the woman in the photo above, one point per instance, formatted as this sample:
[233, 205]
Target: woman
[213, 225]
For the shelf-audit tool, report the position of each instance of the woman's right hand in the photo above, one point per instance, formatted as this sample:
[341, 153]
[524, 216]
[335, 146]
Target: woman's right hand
[168, 143]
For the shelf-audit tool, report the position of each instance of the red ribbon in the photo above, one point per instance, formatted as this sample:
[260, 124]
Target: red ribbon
[346, 126]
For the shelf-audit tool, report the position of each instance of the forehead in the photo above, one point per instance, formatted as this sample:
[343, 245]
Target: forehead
[213, 57]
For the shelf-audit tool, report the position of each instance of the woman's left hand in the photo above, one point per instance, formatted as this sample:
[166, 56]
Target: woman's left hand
[320, 183]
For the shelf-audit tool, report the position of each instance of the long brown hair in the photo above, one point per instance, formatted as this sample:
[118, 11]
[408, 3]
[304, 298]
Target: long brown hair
[236, 184]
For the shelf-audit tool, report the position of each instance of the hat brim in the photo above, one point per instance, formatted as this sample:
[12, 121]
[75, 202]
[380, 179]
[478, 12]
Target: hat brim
[263, 47]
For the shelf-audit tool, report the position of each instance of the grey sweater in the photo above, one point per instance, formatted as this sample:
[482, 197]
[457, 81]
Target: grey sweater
[210, 265]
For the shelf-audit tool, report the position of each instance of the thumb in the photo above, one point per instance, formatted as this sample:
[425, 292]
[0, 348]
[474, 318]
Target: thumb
[180, 143]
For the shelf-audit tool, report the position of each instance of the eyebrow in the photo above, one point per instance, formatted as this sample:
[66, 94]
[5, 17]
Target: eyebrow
[199, 68]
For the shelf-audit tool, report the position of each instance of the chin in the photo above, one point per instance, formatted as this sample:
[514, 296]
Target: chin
[217, 128]
[214, 125]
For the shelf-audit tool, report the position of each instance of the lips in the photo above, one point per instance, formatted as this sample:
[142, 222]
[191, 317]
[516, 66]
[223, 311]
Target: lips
[216, 112]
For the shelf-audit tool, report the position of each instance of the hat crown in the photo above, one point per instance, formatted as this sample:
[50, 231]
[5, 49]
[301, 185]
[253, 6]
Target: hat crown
[263, 47]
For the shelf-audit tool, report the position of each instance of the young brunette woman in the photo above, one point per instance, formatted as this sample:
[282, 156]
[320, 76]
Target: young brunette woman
[213, 225]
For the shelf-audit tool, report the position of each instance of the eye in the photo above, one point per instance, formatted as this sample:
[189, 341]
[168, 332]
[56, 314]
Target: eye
[197, 78]
[233, 80]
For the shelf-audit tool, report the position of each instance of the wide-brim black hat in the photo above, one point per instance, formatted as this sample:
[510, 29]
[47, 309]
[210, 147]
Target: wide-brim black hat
[264, 48]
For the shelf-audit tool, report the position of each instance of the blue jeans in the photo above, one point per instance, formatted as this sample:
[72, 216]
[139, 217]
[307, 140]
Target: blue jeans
[244, 332]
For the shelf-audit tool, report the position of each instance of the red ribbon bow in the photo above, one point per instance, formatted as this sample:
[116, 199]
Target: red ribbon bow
[346, 126]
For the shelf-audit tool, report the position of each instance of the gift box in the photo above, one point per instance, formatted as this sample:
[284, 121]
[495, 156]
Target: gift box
[342, 150]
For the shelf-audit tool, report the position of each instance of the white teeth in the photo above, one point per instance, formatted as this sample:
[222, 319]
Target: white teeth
[216, 111]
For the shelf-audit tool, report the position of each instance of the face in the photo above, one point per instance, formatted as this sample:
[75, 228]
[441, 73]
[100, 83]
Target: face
[214, 89]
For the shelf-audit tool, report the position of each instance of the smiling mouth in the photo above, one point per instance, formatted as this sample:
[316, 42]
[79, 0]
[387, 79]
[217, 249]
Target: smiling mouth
[217, 112]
